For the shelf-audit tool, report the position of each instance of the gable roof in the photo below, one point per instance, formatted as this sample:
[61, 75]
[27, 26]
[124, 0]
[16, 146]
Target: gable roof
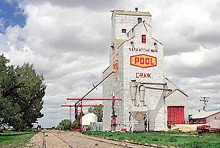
[173, 91]
[176, 88]
[120, 42]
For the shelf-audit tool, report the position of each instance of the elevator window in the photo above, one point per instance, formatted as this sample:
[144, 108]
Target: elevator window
[143, 38]
[123, 31]
[139, 20]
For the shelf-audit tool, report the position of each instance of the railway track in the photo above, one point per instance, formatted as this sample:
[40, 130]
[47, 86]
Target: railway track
[60, 139]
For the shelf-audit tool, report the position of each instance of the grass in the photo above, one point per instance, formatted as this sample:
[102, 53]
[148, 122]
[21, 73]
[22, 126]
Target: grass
[15, 139]
[178, 139]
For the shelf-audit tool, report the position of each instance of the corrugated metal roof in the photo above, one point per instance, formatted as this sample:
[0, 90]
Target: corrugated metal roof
[123, 12]
[204, 114]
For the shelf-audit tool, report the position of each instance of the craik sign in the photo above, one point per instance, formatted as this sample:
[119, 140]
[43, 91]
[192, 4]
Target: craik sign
[143, 61]
[143, 75]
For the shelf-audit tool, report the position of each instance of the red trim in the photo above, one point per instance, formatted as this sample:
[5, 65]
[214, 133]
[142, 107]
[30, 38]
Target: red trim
[94, 99]
[212, 114]
[84, 105]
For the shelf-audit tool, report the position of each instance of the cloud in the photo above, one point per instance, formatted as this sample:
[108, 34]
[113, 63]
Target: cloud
[187, 23]
[67, 30]
[200, 63]
[3, 43]
[96, 5]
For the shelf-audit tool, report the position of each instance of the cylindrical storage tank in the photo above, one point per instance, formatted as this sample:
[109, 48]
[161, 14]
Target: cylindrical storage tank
[91, 117]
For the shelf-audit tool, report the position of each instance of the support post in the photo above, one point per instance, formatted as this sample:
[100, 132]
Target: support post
[70, 117]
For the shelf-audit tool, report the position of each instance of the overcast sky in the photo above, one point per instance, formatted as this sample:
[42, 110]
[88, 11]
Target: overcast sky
[68, 41]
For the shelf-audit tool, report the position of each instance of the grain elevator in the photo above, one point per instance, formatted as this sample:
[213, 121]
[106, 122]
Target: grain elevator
[150, 102]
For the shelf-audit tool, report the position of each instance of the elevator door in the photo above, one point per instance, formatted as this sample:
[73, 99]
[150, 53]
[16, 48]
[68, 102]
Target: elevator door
[175, 115]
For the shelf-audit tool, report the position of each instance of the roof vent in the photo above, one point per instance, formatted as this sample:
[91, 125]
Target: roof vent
[136, 9]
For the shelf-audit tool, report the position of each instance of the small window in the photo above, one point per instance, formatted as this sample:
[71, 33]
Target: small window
[143, 38]
[139, 20]
[123, 30]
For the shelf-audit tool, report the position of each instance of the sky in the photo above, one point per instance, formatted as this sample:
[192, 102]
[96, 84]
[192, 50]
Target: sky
[68, 42]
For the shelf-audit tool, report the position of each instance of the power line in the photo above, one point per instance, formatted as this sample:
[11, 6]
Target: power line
[205, 101]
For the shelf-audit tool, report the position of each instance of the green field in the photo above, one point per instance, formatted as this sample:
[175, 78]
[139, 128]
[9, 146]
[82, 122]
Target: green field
[178, 139]
[15, 139]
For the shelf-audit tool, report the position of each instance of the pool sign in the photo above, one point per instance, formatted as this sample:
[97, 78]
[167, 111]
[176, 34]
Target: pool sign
[143, 61]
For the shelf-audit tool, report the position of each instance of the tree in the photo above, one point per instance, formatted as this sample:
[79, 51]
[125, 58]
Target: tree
[30, 92]
[21, 93]
[64, 124]
[97, 110]
[7, 107]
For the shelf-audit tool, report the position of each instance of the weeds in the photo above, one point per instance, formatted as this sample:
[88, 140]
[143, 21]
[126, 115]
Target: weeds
[172, 139]
[176, 138]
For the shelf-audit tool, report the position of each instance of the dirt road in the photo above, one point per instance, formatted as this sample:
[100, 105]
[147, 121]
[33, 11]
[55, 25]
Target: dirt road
[61, 139]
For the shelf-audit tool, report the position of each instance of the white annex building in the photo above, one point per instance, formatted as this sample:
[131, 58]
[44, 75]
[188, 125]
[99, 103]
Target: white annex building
[149, 101]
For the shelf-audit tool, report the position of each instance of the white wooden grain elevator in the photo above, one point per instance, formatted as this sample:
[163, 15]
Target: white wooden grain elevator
[149, 101]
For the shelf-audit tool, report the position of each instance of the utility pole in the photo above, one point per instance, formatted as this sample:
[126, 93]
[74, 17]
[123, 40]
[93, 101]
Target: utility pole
[205, 102]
